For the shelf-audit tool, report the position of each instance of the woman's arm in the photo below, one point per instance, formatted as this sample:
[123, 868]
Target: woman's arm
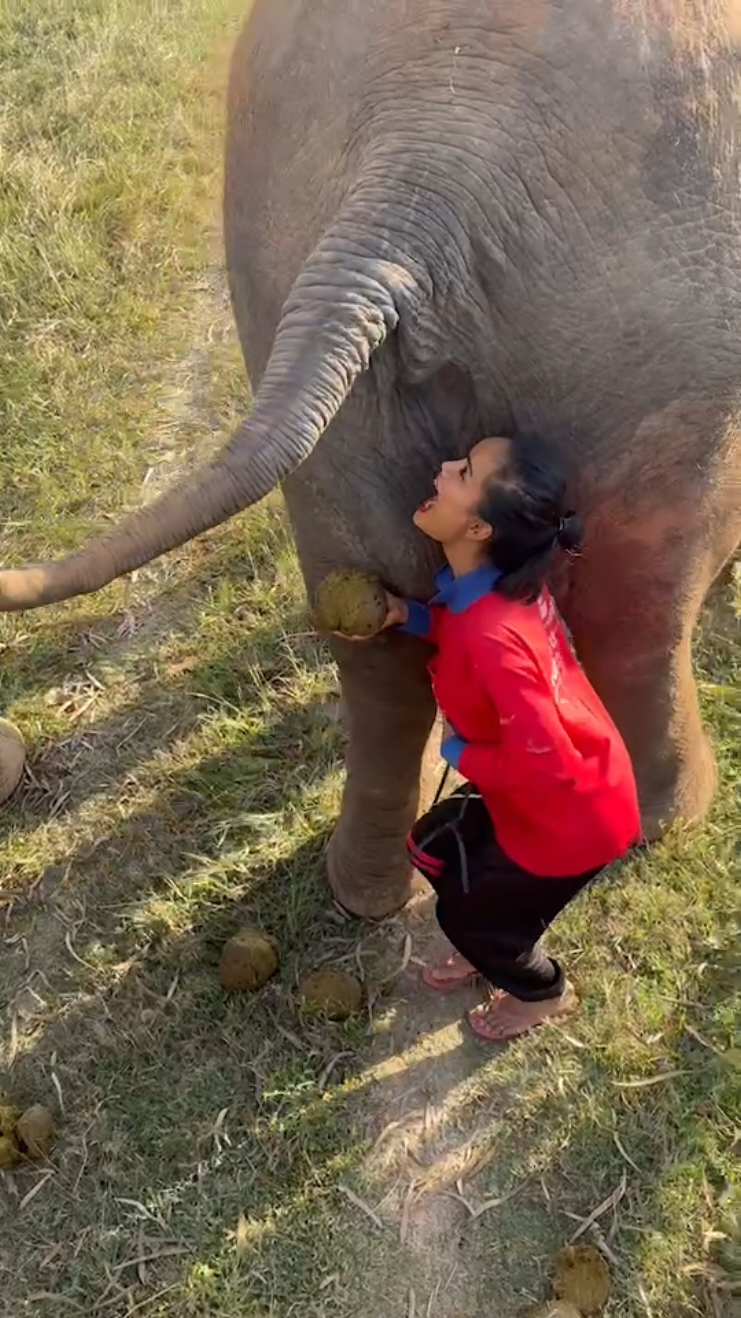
[407, 616]
[418, 619]
[534, 745]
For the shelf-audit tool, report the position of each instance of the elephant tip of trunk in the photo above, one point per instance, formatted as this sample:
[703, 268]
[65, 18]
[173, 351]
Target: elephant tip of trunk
[23, 588]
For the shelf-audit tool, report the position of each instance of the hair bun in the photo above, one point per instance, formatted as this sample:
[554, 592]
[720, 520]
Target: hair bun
[569, 531]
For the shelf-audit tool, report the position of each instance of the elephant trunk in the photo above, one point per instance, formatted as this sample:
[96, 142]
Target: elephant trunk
[341, 308]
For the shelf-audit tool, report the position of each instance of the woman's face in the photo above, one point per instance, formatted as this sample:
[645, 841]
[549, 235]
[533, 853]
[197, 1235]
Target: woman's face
[452, 512]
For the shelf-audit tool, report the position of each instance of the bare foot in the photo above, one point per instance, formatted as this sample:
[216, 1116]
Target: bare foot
[503, 1017]
[455, 973]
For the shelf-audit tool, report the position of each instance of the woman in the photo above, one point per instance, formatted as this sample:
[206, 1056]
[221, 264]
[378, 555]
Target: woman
[553, 798]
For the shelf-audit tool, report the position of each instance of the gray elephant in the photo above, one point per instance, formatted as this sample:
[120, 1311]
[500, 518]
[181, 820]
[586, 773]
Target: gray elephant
[452, 218]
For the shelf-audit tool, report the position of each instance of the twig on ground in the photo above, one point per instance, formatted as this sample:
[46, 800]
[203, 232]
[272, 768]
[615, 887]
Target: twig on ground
[497, 1203]
[415, 1114]
[602, 1245]
[648, 1080]
[626, 1155]
[54, 1297]
[36, 1188]
[704, 1042]
[291, 1037]
[329, 1068]
[488, 1204]
[360, 1203]
[150, 1299]
[358, 959]
[611, 1201]
[60, 1096]
[406, 1212]
[75, 956]
[152, 1257]
[13, 1047]
[644, 1301]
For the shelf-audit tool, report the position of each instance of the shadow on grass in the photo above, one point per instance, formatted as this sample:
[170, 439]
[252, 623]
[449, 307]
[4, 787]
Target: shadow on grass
[219, 1127]
[173, 698]
[148, 1065]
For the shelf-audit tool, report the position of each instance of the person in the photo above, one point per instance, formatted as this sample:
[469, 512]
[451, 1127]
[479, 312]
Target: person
[550, 798]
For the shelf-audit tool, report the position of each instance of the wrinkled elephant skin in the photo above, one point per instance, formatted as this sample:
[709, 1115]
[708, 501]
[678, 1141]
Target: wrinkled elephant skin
[481, 216]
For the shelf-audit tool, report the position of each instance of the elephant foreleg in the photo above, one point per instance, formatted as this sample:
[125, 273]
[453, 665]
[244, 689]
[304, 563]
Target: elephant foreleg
[389, 712]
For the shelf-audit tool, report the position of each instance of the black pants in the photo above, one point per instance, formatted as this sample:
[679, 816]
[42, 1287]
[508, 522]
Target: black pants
[493, 911]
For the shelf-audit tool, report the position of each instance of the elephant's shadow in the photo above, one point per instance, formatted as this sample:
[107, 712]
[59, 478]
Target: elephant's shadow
[200, 838]
[322, 1091]
[95, 755]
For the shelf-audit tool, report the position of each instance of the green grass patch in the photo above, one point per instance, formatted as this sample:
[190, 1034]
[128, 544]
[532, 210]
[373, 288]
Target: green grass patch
[218, 1156]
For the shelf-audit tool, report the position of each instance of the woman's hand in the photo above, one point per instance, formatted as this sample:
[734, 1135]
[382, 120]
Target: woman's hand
[397, 613]
[448, 730]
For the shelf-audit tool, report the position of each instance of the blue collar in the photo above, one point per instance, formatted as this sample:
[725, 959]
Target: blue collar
[459, 593]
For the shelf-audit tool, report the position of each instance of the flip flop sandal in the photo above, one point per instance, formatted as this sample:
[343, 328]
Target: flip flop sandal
[445, 985]
[476, 1020]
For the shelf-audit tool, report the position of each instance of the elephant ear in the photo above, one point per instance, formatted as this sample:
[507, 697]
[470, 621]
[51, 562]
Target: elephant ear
[342, 307]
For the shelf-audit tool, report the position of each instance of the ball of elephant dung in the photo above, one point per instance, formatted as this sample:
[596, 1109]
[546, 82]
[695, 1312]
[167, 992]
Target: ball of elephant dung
[9, 1116]
[331, 993]
[351, 603]
[10, 1154]
[248, 959]
[554, 1309]
[581, 1276]
[35, 1131]
[12, 758]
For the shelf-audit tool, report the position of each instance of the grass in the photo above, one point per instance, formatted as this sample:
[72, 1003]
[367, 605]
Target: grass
[217, 1156]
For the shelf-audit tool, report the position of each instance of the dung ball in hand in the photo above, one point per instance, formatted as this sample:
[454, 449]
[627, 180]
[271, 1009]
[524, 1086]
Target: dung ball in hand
[351, 603]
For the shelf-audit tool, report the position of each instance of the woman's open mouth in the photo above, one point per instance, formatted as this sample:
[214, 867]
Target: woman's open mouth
[423, 507]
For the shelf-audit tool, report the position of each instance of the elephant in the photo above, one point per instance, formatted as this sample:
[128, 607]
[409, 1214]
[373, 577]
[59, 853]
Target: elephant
[446, 219]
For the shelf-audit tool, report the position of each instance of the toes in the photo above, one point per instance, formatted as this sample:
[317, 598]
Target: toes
[494, 1023]
[494, 1029]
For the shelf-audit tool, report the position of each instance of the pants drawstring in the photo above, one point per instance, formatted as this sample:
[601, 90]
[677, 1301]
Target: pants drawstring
[452, 827]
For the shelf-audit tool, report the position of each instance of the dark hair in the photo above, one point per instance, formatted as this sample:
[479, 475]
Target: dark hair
[525, 503]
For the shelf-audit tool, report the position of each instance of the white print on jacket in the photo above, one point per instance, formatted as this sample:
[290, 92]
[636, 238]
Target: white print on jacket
[552, 625]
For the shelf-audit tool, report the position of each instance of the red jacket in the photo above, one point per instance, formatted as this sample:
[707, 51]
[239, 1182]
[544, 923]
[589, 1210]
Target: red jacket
[533, 735]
